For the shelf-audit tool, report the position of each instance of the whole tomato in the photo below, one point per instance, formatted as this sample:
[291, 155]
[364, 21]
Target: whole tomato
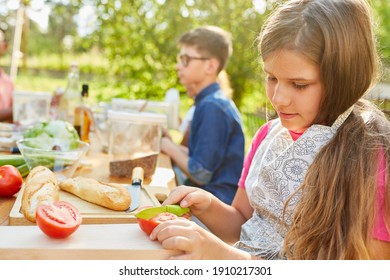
[59, 219]
[10, 180]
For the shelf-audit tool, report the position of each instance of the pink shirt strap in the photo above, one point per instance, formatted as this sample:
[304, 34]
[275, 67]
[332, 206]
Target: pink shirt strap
[257, 139]
[380, 232]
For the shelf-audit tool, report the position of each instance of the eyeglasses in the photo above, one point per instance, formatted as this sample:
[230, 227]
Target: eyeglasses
[186, 59]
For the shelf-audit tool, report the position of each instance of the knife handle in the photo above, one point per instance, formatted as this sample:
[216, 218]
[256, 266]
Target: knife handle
[137, 174]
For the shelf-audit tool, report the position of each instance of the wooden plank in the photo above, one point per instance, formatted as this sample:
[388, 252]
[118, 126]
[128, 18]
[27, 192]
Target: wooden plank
[5, 207]
[92, 213]
[96, 165]
[103, 242]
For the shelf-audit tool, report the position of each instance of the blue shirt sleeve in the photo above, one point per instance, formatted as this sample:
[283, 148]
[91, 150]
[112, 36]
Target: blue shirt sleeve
[211, 129]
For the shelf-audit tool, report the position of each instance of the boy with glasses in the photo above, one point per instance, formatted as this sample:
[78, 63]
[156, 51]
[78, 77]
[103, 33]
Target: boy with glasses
[214, 157]
[6, 85]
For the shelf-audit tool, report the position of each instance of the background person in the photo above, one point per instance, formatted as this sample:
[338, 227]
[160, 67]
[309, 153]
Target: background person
[215, 154]
[184, 127]
[315, 183]
[6, 85]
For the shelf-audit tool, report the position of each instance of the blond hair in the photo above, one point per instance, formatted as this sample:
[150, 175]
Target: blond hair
[338, 207]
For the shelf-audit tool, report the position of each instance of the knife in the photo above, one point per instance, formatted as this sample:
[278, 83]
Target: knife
[135, 188]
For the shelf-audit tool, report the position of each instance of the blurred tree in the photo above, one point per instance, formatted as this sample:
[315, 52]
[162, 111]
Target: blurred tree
[35, 41]
[140, 39]
[382, 16]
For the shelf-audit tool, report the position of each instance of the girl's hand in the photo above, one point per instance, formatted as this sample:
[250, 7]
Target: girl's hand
[193, 241]
[196, 199]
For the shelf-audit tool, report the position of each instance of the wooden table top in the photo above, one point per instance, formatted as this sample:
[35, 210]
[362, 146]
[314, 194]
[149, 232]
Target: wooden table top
[96, 165]
[111, 241]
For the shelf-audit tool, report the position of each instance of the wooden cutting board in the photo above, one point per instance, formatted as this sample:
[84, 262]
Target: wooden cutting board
[92, 213]
[91, 242]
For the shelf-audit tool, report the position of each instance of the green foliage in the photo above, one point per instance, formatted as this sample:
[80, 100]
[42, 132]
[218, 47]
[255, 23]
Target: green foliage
[132, 52]
[140, 40]
[382, 17]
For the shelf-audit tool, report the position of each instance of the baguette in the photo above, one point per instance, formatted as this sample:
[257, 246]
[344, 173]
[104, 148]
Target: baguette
[41, 187]
[109, 195]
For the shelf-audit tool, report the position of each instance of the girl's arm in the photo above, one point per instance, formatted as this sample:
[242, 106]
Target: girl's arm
[380, 250]
[194, 242]
[223, 220]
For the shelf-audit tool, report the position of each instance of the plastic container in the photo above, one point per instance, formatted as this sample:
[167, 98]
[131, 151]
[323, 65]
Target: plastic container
[31, 107]
[100, 123]
[134, 140]
[170, 109]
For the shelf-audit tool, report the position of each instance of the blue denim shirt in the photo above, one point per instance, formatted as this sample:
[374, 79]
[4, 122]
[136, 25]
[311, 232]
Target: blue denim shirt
[216, 143]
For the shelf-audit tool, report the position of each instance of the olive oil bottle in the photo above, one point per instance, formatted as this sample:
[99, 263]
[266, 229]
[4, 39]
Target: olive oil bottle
[83, 116]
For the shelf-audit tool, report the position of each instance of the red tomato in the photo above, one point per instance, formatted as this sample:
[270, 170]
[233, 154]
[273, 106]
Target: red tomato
[10, 180]
[148, 225]
[58, 220]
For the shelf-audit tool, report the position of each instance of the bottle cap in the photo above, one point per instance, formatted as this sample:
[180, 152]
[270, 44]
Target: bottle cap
[84, 90]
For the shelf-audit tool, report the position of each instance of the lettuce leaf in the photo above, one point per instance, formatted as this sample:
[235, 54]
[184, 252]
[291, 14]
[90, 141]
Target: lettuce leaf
[65, 134]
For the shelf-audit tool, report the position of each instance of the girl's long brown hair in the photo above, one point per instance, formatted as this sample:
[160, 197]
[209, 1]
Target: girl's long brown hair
[338, 207]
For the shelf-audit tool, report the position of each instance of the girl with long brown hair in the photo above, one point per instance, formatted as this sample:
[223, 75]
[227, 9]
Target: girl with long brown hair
[315, 183]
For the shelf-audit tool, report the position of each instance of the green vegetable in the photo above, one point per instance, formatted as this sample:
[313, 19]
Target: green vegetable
[45, 131]
[23, 170]
[16, 160]
[149, 213]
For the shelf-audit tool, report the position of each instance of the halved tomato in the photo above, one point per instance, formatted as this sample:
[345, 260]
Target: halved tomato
[150, 217]
[58, 220]
[148, 225]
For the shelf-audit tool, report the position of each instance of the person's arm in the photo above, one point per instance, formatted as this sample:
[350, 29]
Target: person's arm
[211, 132]
[178, 154]
[194, 241]
[229, 227]
[379, 250]
[209, 210]
[186, 135]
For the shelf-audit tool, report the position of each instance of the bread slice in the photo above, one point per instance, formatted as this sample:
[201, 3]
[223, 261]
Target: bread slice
[41, 187]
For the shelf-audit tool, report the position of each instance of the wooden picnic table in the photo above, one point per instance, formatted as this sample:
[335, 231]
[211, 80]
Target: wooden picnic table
[100, 240]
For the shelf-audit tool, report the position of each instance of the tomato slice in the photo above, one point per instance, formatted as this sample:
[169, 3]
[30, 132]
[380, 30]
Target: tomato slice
[58, 220]
[147, 226]
[10, 180]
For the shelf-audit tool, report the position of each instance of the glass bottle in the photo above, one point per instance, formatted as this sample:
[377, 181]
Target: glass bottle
[71, 97]
[83, 116]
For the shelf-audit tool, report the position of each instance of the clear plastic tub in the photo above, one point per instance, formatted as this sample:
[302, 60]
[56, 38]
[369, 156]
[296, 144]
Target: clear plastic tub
[31, 107]
[134, 140]
[170, 109]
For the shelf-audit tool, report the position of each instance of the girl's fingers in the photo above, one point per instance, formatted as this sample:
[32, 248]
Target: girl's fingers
[183, 256]
[169, 228]
[176, 195]
[180, 243]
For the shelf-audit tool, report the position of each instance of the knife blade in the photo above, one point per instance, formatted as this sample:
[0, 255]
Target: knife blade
[137, 178]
